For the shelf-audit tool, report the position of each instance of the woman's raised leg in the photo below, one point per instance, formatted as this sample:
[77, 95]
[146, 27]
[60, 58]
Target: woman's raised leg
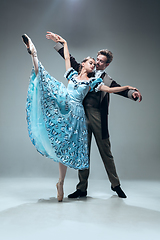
[31, 50]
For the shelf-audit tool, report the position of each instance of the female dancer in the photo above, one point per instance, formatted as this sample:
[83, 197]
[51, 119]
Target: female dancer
[55, 114]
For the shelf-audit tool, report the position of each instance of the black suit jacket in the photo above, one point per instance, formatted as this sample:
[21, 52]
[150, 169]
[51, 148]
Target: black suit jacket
[104, 97]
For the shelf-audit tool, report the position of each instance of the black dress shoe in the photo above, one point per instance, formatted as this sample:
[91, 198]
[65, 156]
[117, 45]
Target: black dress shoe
[119, 191]
[78, 193]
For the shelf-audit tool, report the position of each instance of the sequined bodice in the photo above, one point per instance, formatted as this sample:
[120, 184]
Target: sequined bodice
[77, 91]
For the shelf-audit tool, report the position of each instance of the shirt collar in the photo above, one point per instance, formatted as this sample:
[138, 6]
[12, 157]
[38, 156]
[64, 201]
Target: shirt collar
[98, 73]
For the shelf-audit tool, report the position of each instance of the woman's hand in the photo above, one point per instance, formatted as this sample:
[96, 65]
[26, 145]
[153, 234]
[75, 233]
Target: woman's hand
[132, 88]
[55, 37]
[52, 36]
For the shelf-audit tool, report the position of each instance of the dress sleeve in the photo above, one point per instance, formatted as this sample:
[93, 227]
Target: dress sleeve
[95, 84]
[69, 73]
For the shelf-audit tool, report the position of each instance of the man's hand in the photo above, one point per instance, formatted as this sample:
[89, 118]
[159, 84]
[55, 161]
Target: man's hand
[137, 94]
[52, 36]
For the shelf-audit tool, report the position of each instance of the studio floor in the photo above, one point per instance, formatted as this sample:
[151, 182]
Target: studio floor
[29, 210]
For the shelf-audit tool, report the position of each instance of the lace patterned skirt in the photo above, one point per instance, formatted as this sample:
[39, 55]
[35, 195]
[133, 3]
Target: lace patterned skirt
[56, 124]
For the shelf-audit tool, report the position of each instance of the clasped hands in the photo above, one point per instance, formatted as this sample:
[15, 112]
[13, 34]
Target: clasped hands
[137, 94]
[55, 37]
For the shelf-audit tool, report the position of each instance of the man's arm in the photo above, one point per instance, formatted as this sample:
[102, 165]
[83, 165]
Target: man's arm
[132, 94]
[126, 93]
[60, 49]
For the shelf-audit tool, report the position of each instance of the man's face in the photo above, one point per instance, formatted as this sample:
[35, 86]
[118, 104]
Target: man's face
[101, 62]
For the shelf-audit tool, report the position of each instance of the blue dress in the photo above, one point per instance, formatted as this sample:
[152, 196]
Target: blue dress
[56, 117]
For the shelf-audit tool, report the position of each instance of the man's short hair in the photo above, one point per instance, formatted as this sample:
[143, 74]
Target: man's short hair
[107, 53]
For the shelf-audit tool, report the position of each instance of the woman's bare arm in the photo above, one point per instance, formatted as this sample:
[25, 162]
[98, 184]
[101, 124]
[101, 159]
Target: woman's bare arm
[105, 88]
[57, 38]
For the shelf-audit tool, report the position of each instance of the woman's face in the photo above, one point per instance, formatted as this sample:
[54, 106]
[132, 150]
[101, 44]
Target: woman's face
[89, 65]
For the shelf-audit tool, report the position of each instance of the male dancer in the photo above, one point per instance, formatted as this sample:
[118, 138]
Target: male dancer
[96, 108]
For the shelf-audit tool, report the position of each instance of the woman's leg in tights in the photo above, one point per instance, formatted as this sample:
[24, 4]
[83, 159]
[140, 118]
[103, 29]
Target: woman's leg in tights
[62, 174]
[35, 62]
[62, 171]
[31, 50]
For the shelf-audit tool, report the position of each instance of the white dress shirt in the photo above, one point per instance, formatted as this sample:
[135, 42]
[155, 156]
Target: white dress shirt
[98, 73]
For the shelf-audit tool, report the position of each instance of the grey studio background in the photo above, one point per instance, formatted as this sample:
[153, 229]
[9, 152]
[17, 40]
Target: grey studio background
[130, 29]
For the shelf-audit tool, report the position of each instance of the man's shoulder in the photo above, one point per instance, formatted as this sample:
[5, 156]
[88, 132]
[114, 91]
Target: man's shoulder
[107, 79]
[106, 75]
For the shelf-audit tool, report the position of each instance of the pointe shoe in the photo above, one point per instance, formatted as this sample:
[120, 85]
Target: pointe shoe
[30, 46]
[59, 186]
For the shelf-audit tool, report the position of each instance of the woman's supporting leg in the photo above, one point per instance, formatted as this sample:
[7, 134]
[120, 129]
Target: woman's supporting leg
[62, 171]
[59, 185]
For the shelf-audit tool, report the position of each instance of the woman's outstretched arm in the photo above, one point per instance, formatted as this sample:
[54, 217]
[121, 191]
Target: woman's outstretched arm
[105, 88]
[58, 38]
